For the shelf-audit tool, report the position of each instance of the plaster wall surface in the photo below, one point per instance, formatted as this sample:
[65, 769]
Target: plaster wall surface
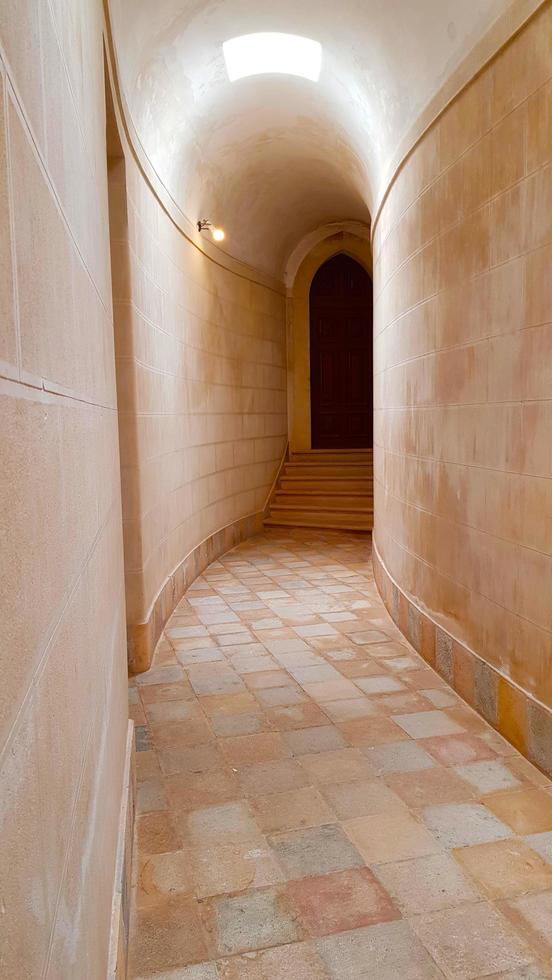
[63, 715]
[201, 372]
[463, 374]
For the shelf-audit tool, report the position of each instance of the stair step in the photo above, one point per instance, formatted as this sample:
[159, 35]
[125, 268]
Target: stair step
[323, 456]
[349, 470]
[316, 521]
[326, 485]
[325, 513]
[324, 501]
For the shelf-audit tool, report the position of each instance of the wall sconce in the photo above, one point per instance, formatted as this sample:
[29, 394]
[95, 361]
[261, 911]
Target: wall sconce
[217, 233]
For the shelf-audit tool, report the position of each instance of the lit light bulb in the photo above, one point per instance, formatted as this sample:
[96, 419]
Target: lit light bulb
[218, 234]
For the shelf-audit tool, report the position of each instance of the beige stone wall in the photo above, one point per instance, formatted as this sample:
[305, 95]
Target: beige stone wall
[62, 622]
[201, 381]
[463, 388]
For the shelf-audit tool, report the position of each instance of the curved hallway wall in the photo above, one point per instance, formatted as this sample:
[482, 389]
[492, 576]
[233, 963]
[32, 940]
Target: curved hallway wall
[463, 379]
[201, 381]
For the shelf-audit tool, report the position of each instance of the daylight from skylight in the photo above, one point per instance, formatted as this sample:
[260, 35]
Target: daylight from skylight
[272, 53]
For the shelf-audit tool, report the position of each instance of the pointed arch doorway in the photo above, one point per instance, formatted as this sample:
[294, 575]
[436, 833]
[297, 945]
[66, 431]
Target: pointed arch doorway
[340, 307]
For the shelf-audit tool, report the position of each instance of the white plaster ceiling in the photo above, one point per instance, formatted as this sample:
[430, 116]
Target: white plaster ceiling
[273, 157]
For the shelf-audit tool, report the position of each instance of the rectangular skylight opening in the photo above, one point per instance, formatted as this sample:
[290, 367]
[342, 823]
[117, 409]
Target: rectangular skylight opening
[272, 53]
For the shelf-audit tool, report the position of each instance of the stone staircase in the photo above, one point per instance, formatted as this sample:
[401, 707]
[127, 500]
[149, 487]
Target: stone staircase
[326, 489]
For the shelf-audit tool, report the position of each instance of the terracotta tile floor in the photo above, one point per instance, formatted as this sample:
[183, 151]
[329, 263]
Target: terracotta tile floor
[314, 802]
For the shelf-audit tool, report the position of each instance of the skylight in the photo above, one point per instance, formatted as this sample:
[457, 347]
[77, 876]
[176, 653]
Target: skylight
[272, 53]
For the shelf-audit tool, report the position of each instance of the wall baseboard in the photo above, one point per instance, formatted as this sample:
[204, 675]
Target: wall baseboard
[142, 638]
[525, 722]
[120, 913]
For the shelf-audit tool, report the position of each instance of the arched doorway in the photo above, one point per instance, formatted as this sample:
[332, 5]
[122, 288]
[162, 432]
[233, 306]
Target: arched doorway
[341, 355]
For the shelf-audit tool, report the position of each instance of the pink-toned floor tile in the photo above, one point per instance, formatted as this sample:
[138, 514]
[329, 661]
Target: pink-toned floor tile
[457, 750]
[428, 786]
[166, 936]
[157, 833]
[370, 732]
[263, 778]
[296, 716]
[163, 875]
[221, 868]
[348, 710]
[241, 750]
[340, 901]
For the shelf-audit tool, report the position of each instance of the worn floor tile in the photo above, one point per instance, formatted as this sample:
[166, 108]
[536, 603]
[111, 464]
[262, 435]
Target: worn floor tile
[390, 836]
[272, 768]
[471, 941]
[254, 920]
[526, 811]
[315, 851]
[388, 951]
[504, 868]
[293, 810]
[462, 824]
[438, 785]
[340, 901]
[166, 935]
[427, 884]
[295, 961]
[359, 798]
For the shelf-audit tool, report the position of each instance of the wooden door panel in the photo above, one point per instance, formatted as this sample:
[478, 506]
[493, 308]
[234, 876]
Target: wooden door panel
[341, 355]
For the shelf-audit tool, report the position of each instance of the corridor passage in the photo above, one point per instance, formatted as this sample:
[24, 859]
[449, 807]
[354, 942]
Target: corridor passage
[314, 801]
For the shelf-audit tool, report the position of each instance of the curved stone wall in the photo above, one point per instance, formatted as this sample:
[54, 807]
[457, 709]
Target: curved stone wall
[463, 386]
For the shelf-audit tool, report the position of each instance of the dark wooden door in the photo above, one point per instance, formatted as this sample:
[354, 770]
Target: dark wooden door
[341, 355]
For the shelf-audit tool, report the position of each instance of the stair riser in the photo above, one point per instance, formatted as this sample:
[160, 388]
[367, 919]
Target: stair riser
[360, 487]
[341, 502]
[314, 523]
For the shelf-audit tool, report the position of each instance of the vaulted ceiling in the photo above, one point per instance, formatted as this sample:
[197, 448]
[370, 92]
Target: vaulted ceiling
[272, 157]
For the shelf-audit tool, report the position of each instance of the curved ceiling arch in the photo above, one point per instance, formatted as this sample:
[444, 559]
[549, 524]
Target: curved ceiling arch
[273, 157]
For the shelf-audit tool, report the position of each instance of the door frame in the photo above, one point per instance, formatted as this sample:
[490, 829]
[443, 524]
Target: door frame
[298, 329]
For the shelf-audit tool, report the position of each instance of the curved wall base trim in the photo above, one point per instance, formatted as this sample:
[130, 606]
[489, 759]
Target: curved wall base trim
[514, 713]
[143, 637]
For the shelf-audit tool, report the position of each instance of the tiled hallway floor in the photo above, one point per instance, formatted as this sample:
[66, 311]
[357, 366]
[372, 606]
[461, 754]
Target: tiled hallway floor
[314, 802]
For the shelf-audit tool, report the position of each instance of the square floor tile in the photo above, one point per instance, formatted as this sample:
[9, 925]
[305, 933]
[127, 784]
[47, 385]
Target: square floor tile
[226, 823]
[430, 786]
[292, 811]
[359, 798]
[427, 884]
[504, 868]
[387, 951]
[368, 732]
[166, 936]
[340, 901]
[534, 912]
[191, 791]
[463, 824]
[393, 835]
[527, 811]
[471, 941]
[176, 758]
[348, 710]
[267, 678]
[221, 868]
[294, 961]
[253, 920]
[315, 851]
[488, 776]
[457, 750]
[427, 724]
[263, 778]
[225, 726]
[162, 876]
[157, 832]
[327, 738]
[340, 766]
[272, 697]
[296, 716]
[404, 756]
[337, 690]
[542, 844]
[242, 750]
[384, 684]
